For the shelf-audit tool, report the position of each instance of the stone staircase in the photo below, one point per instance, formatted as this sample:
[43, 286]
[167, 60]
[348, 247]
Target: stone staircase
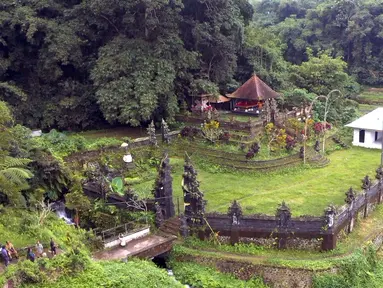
[170, 227]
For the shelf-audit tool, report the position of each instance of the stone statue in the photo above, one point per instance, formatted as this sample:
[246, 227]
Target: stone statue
[350, 196]
[379, 173]
[283, 215]
[235, 220]
[235, 212]
[302, 152]
[330, 213]
[165, 132]
[366, 183]
[152, 134]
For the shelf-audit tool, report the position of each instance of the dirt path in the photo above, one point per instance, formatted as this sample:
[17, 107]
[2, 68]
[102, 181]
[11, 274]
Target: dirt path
[23, 258]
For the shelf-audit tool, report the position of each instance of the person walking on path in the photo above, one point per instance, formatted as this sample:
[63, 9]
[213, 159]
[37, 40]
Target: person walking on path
[11, 250]
[53, 247]
[30, 255]
[39, 249]
[5, 255]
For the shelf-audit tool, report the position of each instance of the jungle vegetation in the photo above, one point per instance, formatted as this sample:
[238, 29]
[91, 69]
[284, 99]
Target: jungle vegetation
[77, 64]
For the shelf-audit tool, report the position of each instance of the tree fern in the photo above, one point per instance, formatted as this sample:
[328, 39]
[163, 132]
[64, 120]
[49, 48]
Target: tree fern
[9, 162]
[14, 176]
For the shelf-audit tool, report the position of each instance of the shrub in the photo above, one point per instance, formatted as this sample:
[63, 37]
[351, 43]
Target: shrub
[225, 136]
[290, 143]
[127, 139]
[104, 142]
[253, 151]
[25, 272]
[61, 144]
[319, 127]
[199, 276]
[362, 269]
[189, 132]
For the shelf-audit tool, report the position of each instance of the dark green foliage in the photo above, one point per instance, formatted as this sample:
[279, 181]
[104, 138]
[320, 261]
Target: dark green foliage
[133, 274]
[74, 65]
[347, 29]
[363, 269]
[199, 276]
[22, 228]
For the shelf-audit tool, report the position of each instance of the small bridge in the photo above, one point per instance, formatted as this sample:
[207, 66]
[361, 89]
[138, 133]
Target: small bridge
[140, 243]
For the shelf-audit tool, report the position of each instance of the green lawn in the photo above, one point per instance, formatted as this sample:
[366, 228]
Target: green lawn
[237, 117]
[306, 191]
[116, 132]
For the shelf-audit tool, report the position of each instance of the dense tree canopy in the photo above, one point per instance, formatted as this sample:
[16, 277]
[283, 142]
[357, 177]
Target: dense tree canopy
[351, 29]
[76, 64]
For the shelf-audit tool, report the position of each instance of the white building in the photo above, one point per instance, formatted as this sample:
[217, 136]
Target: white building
[368, 129]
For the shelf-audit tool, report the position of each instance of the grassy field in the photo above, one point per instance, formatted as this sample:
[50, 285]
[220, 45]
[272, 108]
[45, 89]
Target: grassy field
[307, 191]
[237, 117]
[116, 132]
[373, 96]
[366, 108]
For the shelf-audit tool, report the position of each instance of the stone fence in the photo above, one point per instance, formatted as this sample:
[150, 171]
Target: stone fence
[283, 231]
[135, 143]
[253, 126]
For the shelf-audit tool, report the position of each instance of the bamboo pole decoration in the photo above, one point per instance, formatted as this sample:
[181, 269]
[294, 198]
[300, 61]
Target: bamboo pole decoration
[306, 124]
[326, 110]
[381, 157]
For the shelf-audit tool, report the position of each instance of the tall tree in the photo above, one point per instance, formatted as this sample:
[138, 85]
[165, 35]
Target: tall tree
[150, 57]
[43, 72]
[215, 30]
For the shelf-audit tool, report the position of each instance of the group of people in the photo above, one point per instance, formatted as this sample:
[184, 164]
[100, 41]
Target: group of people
[8, 251]
[40, 251]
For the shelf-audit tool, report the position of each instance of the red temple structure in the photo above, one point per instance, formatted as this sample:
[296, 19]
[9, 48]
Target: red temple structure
[252, 94]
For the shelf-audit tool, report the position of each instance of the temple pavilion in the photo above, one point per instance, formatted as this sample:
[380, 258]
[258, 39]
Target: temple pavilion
[251, 95]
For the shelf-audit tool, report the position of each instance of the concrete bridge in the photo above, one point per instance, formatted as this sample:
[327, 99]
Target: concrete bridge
[148, 247]
[140, 243]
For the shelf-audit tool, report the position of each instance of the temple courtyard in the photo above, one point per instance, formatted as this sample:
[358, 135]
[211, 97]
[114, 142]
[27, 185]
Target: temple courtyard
[308, 191]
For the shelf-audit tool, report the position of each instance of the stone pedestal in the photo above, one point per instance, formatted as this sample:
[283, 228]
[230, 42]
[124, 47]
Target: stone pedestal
[329, 242]
[234, 237]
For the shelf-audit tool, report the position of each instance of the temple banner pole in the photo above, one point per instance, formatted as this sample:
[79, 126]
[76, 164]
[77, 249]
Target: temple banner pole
[381, 156]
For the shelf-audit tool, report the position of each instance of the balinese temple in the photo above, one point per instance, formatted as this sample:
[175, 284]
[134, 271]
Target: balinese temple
[251, 96]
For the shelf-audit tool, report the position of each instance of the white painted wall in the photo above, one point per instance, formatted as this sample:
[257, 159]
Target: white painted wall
[133, 236]
[369, 139]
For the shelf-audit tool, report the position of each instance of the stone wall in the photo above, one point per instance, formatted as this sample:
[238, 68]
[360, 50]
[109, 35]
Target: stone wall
[305, 232]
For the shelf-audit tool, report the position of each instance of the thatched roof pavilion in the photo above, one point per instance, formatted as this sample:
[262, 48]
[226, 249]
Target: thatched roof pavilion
[254, 89]
[214, 99]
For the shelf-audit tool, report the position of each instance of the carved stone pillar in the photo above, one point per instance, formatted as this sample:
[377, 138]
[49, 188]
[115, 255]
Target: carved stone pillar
[283, 217]
[365, 212]
[329, 239]
[350, 200]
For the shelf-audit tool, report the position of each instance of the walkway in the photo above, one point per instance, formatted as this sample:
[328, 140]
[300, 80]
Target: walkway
[23, 258]
[147, 247]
